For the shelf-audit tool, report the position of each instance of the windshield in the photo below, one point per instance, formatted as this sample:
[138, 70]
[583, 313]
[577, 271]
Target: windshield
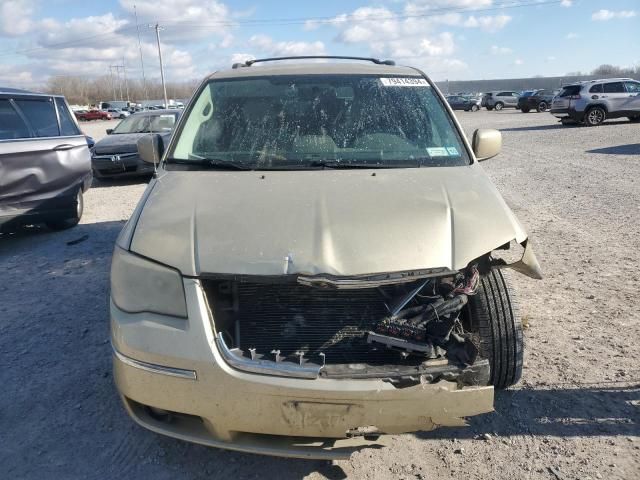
[528, 93]
[146, 124]
[318, 121]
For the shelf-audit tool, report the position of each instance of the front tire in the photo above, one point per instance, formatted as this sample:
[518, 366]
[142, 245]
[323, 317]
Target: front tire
[525, 109]
[475, 108]
[499, 106]
[489, 108]
[72, 220]
[595, 116]
[542, 107]
[495, 317]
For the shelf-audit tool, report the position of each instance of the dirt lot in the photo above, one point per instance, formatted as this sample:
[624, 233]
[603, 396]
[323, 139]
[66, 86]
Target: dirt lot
[575, 415]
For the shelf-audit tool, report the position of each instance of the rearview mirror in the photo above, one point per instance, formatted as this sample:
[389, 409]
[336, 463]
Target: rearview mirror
[151, 148]
[486, 143]
[109, 131]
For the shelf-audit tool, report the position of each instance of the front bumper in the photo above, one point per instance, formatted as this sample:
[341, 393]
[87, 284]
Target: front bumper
[217, 405]
[119, 165]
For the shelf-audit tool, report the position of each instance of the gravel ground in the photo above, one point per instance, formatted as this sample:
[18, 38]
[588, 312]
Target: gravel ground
[575, 415]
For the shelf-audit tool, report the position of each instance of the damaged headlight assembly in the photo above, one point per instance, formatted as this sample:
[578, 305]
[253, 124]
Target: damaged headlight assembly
[141, 285]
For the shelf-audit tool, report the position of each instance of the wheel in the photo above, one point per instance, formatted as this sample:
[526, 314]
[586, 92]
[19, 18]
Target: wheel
[499, 106]
[495, 317]
[71, 221]
[525, 110]
[595, 116]
[542, 107]
[489, 108]
[474, 108]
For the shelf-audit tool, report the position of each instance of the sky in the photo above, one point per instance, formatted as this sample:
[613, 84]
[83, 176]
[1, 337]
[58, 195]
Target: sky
[448, 39]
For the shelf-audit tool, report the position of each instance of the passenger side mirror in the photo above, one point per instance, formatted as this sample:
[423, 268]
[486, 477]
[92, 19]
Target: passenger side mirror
[151, 148]
[109, 131]
[486, 143]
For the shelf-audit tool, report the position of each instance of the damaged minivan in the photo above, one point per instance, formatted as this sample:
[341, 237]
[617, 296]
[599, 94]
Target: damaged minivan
[318, 261]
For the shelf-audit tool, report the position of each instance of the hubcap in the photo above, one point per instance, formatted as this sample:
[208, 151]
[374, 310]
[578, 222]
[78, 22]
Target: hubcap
[596, 116]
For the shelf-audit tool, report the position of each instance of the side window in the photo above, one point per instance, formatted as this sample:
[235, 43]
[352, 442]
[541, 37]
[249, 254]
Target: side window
[613, 87]
[503, 94]
[67, 125]
[632, 87]
[596, 88]
[41, 115]
[11, 124]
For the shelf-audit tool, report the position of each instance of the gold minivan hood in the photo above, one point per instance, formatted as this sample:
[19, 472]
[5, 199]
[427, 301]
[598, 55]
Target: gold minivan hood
[334, 222]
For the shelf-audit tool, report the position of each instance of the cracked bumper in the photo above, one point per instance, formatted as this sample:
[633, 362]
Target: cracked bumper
[227, 408]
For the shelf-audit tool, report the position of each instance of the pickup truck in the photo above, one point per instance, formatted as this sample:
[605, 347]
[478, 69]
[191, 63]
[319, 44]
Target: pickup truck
[93, 115]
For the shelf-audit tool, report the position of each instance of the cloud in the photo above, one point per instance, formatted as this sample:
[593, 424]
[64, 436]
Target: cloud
[488, 23]
[183, 20]
[566, 3]
[551, 58]
[496, 50]
[604, 15]
[267, 45]
[518, 61]
[19, 76]
[572, 36]
[90, 30]
[15, 17]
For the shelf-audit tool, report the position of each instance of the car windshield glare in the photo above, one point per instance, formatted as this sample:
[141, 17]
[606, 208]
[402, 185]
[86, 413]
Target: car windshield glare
[146, 124]
[318, 121]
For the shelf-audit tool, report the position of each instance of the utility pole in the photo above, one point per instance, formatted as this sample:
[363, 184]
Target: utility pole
[124, 72]
[113, 82]
[164, 87]
[144, 80]
[117, 67]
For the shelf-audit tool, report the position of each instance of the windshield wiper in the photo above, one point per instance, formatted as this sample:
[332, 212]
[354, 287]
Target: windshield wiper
[347, 164]
[210, 163]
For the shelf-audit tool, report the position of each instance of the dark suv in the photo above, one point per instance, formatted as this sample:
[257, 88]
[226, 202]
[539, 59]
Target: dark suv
[45, 165]
[539, 100]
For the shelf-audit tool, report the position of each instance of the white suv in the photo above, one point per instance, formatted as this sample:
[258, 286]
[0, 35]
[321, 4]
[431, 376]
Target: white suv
[594, 101]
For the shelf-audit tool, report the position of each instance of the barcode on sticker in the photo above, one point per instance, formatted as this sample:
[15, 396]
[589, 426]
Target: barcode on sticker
[404, 82]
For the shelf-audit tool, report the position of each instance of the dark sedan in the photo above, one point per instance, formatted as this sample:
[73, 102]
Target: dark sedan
[116, 155]
[460, 102]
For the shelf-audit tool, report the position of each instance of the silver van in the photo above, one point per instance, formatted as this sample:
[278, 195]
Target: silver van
[45, 165]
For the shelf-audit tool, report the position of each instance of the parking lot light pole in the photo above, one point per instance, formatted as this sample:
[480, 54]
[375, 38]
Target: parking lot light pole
[164, 87]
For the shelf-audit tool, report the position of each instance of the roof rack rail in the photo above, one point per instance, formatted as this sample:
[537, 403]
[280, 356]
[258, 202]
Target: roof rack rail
[377, 61]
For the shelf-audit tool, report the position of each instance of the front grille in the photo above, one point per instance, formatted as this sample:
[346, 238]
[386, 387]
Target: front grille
[293, 317]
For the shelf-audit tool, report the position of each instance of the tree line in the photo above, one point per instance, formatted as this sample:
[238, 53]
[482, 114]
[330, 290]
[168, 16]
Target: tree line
[80, 90]
[610, 71]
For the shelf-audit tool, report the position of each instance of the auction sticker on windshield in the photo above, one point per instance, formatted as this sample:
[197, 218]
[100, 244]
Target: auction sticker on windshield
[404, 82]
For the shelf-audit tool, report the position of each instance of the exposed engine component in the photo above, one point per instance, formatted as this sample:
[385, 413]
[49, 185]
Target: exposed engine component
[429, 324]
[372, 329]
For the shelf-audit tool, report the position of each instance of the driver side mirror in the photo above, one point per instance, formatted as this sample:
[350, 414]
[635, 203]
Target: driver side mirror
[486, 143]
[151, 148]
[109, 131]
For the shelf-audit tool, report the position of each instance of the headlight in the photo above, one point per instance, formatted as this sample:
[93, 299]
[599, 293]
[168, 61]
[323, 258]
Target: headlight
[139, 285]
